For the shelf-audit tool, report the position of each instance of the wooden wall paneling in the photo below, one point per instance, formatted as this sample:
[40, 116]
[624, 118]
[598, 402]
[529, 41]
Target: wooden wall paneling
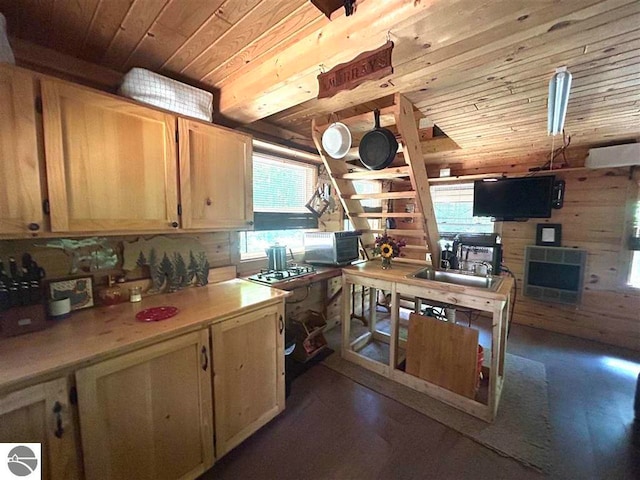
[417, 70]
[299, 24]
[29, 19]
[70, 23]
[247, 22]
[217, 246]
[593, 219]
[104, 26]
[135, 25]
[208, 33]
[171, 29]
[513, 78]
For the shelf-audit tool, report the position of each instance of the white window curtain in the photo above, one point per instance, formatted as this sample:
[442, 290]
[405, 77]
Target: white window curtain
[282, 186]
[453, 205]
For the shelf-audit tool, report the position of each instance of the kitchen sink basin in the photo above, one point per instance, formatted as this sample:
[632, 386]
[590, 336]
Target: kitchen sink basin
[458, 278]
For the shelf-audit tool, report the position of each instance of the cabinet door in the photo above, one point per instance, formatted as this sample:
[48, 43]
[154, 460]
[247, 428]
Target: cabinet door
[20, 195]
[248, 381]
[216, 180]
[111, 164]
[42, 414]
[148, 414]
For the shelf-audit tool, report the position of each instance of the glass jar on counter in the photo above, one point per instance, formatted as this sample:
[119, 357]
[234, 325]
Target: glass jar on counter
[112, 293]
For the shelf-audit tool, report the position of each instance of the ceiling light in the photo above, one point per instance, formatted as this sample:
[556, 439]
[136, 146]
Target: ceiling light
[559, 87]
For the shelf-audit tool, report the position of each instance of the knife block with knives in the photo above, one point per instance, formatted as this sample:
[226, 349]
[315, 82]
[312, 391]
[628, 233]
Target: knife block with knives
[22, 300]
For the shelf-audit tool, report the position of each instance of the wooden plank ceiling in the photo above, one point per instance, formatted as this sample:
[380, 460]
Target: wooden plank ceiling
[479, 69]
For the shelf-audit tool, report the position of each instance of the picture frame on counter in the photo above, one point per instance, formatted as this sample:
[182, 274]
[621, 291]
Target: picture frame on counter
[549, 234]
[78, 290]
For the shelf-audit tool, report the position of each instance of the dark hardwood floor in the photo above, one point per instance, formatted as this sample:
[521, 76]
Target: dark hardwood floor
[334, 428]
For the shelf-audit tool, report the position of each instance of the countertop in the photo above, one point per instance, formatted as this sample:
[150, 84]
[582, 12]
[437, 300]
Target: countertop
[399, 271]
[98, 333]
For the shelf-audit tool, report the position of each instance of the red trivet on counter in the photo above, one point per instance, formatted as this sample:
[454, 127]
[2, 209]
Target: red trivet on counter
[156, 314]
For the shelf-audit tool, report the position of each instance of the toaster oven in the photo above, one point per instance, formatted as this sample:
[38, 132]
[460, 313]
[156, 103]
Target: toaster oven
[331, 248]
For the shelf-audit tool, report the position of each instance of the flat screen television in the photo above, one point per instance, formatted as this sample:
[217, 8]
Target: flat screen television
[513, 198]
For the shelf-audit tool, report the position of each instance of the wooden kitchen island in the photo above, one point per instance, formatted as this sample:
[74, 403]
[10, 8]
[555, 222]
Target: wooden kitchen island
[395, 282]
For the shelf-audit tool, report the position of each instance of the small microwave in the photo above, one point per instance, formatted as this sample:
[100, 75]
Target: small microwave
[331, 248]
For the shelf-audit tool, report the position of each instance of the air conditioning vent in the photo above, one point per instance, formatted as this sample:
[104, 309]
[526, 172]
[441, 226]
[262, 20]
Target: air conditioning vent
[616, 156]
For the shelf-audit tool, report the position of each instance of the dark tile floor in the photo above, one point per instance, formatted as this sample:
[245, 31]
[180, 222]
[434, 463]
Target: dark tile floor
[334, 428]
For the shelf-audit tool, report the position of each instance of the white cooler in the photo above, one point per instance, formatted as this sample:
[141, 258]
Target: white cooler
[149, 87]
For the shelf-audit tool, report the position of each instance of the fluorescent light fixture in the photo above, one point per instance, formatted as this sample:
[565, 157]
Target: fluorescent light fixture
[559, 87]
[489, 179]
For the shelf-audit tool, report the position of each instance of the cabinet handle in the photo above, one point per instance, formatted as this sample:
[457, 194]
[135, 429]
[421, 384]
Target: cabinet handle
[281, 324]
[34, 227]
[174, 224]
[250, 222]
[57, 409]
[205, 358]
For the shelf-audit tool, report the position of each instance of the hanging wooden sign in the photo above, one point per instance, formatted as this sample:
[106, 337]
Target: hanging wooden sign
[372, 65]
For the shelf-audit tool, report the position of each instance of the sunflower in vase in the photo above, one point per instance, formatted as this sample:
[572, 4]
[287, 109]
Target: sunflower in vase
[387, 247]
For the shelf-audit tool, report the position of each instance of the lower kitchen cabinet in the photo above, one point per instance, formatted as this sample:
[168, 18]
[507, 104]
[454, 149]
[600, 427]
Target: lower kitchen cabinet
[248, 368]
[42, 414]
[148, 414]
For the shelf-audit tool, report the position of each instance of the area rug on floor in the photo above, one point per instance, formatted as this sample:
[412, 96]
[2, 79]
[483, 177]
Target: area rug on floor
[521, 430]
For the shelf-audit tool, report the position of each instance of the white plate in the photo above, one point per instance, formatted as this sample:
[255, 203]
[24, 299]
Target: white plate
[336, 140]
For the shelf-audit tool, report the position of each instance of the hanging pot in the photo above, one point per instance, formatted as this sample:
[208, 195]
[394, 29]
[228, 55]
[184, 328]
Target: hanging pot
[378, 147]
[276, 257]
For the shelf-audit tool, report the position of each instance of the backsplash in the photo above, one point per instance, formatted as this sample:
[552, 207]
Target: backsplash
[102, 256]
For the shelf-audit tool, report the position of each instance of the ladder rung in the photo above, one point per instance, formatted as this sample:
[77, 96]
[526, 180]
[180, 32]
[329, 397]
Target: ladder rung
[396, 232]
[387, 215]
[383, 174]
[416, 248]
[381, 196]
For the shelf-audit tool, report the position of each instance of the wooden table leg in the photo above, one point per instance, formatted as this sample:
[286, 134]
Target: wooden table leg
[395, 327]
[373, 302]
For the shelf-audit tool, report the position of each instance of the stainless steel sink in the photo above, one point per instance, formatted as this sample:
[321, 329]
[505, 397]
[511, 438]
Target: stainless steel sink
[458, 278]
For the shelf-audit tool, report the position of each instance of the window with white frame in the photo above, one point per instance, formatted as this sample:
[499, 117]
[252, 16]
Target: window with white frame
[281, 189]
[453, 205]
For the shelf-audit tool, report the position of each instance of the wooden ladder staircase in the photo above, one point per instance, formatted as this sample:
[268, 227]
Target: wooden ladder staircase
[410, 185]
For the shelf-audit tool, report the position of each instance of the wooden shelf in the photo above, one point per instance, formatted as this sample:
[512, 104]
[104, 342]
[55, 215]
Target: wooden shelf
[480, 176]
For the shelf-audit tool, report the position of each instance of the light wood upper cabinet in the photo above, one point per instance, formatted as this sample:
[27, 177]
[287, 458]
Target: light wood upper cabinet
[42, 414]
[20, 195]
[216, 181]
[111, 164]
[248, 382]
[148, 414]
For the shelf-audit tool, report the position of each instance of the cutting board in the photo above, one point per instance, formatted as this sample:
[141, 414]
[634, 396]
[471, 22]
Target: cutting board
[443, 353]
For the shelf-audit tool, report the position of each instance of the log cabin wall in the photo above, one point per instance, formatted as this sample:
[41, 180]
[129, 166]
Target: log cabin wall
[596, 208]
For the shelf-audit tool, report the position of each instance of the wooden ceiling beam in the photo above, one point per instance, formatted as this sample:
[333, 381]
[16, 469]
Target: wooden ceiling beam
[258, 92]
